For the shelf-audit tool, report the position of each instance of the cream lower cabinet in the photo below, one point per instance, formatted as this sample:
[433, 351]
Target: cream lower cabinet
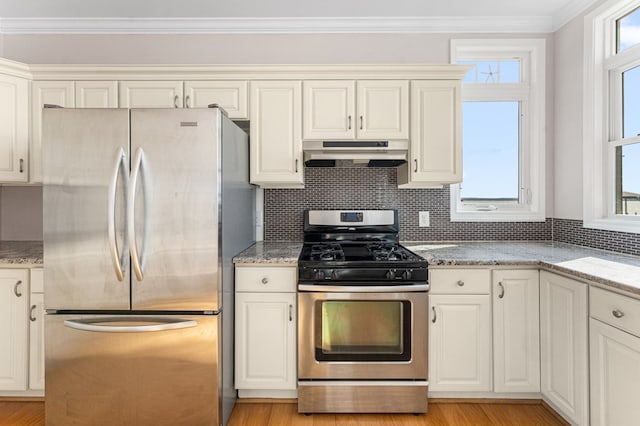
[14, 332]
[460, 330]
[276, 134]
[265, 309]
[435, 152]
[516, 331]
[564, 346]
[614, 331]
[36, 330]
[14, 128]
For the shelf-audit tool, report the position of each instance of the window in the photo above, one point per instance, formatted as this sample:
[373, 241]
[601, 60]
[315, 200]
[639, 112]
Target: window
[502, 131]
[612, 117]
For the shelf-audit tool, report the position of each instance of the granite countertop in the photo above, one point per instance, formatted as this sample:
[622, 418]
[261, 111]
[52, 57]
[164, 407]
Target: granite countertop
[20, 252]
[270, 252]
[604, 267]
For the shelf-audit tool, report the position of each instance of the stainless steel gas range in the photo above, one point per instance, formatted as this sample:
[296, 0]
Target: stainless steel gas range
[363, 315]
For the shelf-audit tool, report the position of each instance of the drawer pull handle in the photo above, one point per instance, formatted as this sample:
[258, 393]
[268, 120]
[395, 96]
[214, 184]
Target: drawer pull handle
[501, 295]
[433, 308]
[460, 283]
[265, 280]
[617, 313]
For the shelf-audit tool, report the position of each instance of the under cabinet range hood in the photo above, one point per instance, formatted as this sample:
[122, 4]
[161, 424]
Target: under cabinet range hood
[355, 153]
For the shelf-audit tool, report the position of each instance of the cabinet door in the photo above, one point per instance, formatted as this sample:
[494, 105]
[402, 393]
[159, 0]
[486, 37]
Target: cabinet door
[382, 109]
[276, 138]
[436, 133]
[59, 93]
[516, 331]
[615, 375]
[96, 94]
[266, 341]
[150, 94]
[14, 129]
[14, 303]
[563, 346]
[460, 343]
[230, 95]
[36, 342]
[329, 109]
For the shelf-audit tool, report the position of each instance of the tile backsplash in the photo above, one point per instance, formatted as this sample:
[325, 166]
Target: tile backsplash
[573, 232]
[377, 188]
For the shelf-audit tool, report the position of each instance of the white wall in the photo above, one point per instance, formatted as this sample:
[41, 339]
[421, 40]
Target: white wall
[569, 53]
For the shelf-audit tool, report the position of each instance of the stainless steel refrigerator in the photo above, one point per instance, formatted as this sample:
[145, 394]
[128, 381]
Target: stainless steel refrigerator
[143, 211]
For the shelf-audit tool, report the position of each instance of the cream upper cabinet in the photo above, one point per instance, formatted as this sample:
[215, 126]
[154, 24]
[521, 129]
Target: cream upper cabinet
[14, 356]
[564, 349]
[230, 95]
[349, 109]
[150, 94]
[516, 331]
[60, 93]
[14, 128]
[276, 135]
[435, 155]
[96, 94]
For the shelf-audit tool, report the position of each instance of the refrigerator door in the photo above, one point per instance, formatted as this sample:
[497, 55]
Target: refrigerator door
[104, 370]
[85, 165]
[173, 211]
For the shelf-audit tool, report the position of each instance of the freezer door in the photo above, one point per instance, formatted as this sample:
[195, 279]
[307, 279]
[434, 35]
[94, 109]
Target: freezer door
[174, 209]
[132, 370]
[85, 166]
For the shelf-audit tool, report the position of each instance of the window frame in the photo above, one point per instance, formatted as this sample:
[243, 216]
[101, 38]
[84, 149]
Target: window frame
[602, 115]
[531, 93]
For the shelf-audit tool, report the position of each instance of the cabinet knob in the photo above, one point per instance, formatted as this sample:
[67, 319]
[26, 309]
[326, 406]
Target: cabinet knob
[617, 313]
[460, 283]
[265, 280]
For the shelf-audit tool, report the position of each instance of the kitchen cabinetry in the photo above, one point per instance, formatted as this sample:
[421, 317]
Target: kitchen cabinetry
[96, 94]
[516, 331]
[614, 358]
[14, 128]
[460, 330]
[435, 155]
[265, 359]
[564, 346]
[14, 307]
[36, 330]
[348, 109]
[276, 136]
[230, 95]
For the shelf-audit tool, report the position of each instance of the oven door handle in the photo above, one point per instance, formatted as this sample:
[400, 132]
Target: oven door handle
[363, 288]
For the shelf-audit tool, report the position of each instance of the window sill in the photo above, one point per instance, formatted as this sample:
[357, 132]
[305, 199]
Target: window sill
[497, 216]
[631, 225]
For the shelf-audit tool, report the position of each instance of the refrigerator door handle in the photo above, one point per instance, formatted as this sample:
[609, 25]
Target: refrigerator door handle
[110, 325]
[117, 258]
[131, 214]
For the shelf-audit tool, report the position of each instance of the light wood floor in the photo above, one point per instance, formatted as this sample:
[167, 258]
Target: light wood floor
[15, 413]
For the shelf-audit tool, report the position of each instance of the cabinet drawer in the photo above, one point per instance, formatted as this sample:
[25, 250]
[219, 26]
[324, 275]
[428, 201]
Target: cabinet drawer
[266, 278]
[37, 280]
[615, 309]
[460, 281]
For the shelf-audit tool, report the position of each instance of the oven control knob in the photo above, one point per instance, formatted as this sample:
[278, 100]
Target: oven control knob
[319, 275]
[406, 275]
[334, 275]
[391, 274]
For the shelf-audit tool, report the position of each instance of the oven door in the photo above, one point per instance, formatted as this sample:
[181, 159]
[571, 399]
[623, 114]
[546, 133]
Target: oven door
[362, 335]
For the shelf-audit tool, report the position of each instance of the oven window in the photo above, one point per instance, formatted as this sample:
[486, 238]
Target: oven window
[363, 330]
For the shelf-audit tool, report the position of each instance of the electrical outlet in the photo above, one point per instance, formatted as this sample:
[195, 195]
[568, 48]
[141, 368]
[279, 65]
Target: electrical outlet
[423, 219]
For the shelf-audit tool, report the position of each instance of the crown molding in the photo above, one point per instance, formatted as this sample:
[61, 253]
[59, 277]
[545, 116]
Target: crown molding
[444, 24]
[13, 68]
[569, 11]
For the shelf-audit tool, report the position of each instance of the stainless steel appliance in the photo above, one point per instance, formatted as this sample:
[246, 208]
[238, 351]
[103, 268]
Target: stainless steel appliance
[363, 304]
[143, 211]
